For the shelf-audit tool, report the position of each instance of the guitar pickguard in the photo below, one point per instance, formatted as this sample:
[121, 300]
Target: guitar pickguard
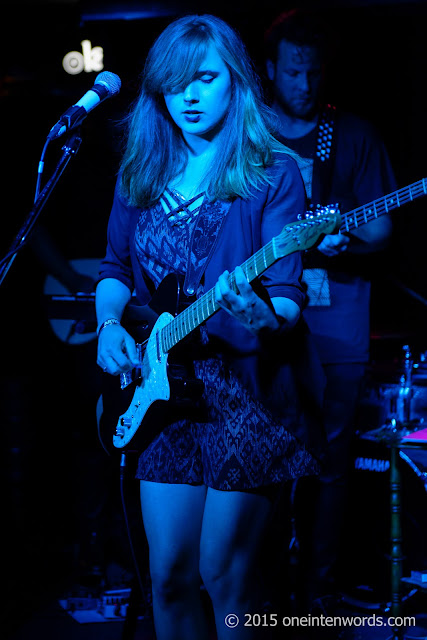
[153, 385]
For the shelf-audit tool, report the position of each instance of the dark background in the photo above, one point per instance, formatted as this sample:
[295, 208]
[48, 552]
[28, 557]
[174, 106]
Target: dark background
[54, 469]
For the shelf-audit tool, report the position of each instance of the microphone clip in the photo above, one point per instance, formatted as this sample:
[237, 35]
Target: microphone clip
[70, 119]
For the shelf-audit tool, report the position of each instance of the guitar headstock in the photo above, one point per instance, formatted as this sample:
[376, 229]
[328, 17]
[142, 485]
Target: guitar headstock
[304, 234]
[319, 209]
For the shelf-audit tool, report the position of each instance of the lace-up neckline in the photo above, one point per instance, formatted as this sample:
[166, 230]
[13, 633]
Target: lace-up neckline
[178, 208]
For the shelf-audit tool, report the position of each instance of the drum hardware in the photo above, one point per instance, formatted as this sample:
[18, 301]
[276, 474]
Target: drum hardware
[390, 458]
[419, 372]
[422, 475]
[406, 391]
[392, 432]
[390, 449]
[385, 535]
[402, 399]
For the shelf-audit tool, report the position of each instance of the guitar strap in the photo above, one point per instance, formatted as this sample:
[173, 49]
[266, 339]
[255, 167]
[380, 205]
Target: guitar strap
[203, 241]
[324, 159]
[321, 185]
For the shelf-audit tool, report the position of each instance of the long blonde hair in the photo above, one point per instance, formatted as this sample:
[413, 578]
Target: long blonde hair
[155, 152]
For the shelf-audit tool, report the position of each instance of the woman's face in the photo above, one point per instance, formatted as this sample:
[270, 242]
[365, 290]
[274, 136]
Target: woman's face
[199, 109]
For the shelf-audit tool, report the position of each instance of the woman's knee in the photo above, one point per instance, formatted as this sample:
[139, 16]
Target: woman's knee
[223, 576]
[229, 545]
[175, 580]
[212, 570]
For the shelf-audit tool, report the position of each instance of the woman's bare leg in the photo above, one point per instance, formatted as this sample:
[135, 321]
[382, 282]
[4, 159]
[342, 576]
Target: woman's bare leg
[172, 517]
[233, 527]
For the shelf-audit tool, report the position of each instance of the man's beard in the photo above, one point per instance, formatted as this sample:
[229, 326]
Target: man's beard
[307, 113]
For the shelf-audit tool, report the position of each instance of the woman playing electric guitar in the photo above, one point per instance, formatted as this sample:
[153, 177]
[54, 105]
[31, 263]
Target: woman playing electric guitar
[203, 185]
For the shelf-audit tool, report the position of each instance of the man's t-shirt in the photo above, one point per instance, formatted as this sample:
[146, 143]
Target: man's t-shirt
[339, 288]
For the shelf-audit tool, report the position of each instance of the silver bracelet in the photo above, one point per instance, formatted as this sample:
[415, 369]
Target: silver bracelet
[106, 323]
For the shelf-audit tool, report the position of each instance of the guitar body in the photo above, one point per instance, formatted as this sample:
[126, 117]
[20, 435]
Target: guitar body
[163, 384]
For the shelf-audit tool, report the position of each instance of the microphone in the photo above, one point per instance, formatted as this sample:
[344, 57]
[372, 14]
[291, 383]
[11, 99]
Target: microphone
[106, 85]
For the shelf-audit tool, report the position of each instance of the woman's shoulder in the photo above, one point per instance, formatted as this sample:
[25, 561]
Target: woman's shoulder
[284, 161]
[122, 199]
[283, 183]
[284, 172]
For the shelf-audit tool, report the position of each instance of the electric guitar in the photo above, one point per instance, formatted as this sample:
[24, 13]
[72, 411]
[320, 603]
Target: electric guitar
[160, 327]
[368, 212]
[155, 381]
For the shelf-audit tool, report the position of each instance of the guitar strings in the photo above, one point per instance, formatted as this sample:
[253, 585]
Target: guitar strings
[383, 205]
[206, 305]
[188, 320]
[180, 326]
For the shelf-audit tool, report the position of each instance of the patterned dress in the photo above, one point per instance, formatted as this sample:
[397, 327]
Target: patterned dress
[237, 444]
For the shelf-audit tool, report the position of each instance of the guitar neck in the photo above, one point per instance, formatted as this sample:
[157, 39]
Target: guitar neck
[360, 216]
[206, 306]
[295, 236]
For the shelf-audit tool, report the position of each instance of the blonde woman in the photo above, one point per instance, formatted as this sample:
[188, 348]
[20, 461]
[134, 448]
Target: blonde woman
[201, 154]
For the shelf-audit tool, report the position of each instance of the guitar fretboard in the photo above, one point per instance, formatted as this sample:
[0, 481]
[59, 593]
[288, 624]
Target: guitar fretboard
[206, 306]
[295, 236]
[379, 207]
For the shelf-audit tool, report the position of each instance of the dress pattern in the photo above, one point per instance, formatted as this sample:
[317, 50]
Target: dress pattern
[238, 444]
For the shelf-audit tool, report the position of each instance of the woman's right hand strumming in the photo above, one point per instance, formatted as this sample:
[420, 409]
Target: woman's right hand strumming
[116, 347]
[116, 350]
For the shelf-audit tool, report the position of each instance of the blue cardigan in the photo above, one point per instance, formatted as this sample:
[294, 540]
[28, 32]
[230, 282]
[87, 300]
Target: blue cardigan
[281, 371]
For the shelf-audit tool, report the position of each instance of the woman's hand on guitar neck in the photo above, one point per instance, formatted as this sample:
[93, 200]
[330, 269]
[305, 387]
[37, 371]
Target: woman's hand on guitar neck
[245, 305]
[116, 350]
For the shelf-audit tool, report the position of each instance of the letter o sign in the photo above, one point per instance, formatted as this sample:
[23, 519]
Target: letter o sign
[73, 62]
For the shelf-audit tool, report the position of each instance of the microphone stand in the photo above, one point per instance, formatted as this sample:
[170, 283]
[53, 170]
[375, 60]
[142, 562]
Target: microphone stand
[69, 149]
